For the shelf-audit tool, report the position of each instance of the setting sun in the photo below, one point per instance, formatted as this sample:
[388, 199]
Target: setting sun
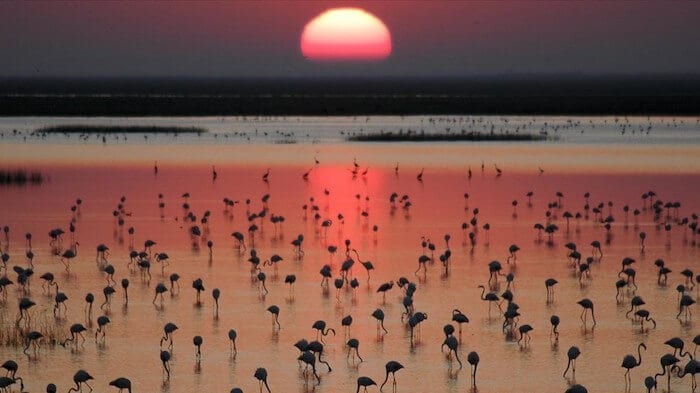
[345, 34]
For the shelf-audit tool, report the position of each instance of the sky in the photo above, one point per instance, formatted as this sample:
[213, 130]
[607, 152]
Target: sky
[239, 39]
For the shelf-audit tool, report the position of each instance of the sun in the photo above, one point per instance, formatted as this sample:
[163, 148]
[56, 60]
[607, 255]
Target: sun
[345, 34]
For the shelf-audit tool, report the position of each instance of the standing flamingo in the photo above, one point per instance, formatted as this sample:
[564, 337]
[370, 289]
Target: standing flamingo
[587, 304]
[392, 367]
[573, 353]
[81, 377]
[121, 384]
[364, 382]
[629, 362]
[473, 359]
[261, 375]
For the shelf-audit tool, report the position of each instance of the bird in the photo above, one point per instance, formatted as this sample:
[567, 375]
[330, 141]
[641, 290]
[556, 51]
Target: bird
[576, 389]
[261, 375]
[197, 341]
[473, 360]
[489, 297]
[102, 321]
[549, 285]
[364, 382]
[378, 314]
[667, 361]
[452, 343]
[587, 304]
[692, 368]
[165, 359]
[392, 367]
[460, 318]
[232, 335]
[310, 360]
[121, 384]
[384, 288]
[275, 311]
[321, 330]
[354, 343]
[168, 330]
[629, 362]
[573, 353]
[524, 331]
[346, 322]
[81, 377]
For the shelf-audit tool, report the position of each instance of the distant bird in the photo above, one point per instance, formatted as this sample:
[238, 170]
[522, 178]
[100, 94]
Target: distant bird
[261, 375]
[554, 320]
[576, 389]
[275, 311]
[587, 304]
[81, 377]
[378, 314]
[121, 384]
[321, 330]
[364, 382]
[460, 318]
[165, 359]
[473, 360]
[353, 343]
[391, 368]
[168, 330]
[452, 343]
[232, 335]
[573, 353]
[524, 331]
[629, 362]
[346, 322]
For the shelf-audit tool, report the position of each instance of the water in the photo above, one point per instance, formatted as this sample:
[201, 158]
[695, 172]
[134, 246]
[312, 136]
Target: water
[620, 171]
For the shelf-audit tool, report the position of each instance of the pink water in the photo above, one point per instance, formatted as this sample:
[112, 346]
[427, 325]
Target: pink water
[438, 208]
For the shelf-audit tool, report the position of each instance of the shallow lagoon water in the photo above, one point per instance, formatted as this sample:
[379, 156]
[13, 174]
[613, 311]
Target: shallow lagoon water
[100, 175]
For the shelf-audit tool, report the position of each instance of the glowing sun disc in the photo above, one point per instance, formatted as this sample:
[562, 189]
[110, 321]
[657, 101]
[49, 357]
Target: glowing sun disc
[345, 34]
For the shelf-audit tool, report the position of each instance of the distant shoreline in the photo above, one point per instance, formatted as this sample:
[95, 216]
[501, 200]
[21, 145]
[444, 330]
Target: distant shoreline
[496, 95]
[91, 106]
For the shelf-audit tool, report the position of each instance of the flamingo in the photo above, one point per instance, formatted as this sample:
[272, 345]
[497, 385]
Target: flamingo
[81, 377]
[197, 341]
[261, 375]
[378, 314]
[320, 327]
[668, 361]
[121, 384]
[364, 382]
[587, 304]
[452, 343]
[460, 318]
[489, 297]
[275, 311]
[384, 288]
[168, 330]
[629, 362]
[392, 367]
[69, 255]
[310, 360]
[232, 335]
[165, 359]
[524, 331]
[353, 343]
[346, 322]
[32, 338]
[692, 368]
[554, 320]
[473, 360]
[573, 353]
[102, 321]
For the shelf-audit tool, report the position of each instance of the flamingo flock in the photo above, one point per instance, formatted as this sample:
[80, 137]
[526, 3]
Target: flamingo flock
[259, 239]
